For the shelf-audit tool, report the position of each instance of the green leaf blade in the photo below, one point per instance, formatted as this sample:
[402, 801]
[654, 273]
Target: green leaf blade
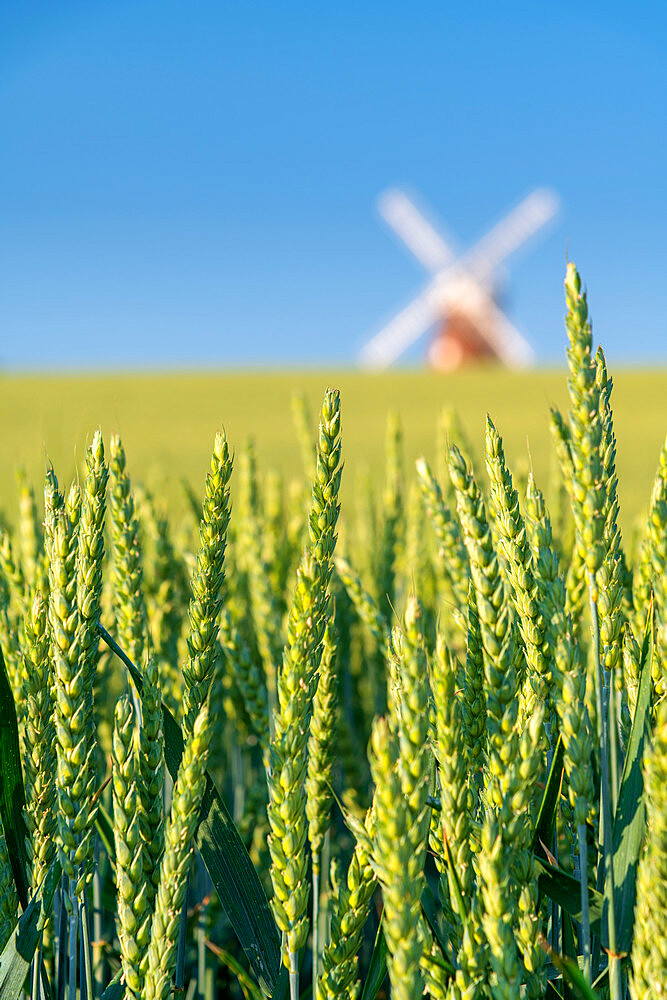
[630, 819]
[575, 977]
[19, 951]
[565, 890]
[546, 818]
[12, 792]
[377, 970]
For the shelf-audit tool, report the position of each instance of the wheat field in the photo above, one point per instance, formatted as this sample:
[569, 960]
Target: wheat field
[351, 691]
[166, 419]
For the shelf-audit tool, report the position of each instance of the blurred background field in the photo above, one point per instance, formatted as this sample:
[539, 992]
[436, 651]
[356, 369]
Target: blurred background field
[167, 422]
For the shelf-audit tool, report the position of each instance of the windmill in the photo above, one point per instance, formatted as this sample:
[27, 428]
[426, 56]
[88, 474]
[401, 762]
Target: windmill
[460, 296]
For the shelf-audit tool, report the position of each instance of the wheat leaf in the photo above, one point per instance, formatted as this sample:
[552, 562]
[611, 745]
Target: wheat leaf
[630, 818]
[377, 970]
[546, 819]
[18, 952]
[12, 793]
[565, 890]
[571, 971]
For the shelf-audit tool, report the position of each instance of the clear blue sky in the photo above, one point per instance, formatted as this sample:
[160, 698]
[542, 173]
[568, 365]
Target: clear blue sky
[194, 183]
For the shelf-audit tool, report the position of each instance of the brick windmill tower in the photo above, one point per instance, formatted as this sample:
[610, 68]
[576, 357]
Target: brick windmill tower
[459, 300]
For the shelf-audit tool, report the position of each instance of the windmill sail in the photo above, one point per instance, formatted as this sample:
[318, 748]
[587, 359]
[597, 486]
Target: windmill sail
[417, 233]
[459, 288]
[514, 230]
[406, 328]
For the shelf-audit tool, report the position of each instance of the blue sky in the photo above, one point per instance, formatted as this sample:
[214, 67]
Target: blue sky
[194, 184]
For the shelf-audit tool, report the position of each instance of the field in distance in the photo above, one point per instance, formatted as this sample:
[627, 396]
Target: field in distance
[168, 421]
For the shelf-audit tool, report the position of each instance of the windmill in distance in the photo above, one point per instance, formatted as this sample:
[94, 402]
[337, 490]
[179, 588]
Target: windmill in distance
[460, 297]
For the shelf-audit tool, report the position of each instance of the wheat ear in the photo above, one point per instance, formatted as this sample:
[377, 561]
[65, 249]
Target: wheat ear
[133, 903]
[128, 593]
[455, 794]
[30, 536]
[74, 704]
[516, 562]
[351, 906]
[178, 846]
[305, 629]
[452, 559]
[649, 956]
[207, 579]
[39, 741]
[392, 509]
[150, 780]
[398, 867]
[321, 757]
